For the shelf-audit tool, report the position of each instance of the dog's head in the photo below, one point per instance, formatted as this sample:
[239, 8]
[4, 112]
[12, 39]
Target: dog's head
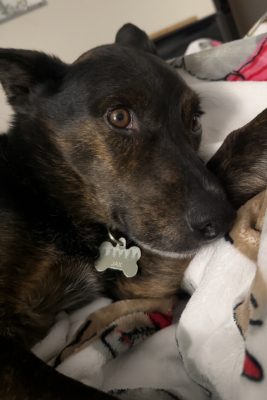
[241, 161]
[128, 128]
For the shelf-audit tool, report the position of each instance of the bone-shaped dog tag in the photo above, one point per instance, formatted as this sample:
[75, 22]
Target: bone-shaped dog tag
[118, 258]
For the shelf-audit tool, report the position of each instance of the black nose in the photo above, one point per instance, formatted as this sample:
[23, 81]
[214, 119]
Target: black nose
[208, 212]
[206, 227]
[211, 220]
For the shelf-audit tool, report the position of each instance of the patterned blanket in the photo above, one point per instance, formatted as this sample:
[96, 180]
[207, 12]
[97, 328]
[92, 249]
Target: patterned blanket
[215, 347]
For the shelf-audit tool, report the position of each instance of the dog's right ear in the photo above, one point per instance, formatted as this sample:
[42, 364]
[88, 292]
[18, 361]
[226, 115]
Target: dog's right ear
[131, 36]
[26, 75]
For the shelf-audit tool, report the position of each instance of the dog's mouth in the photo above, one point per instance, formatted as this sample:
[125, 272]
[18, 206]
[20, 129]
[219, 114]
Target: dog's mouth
[167, 254]
[131, 240]
[166, 246]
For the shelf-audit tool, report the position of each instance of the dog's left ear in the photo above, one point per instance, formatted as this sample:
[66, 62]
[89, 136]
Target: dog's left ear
[26, 75]
[131, 36]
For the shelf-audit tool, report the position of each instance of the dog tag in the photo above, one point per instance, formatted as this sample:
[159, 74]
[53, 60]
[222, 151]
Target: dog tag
[119, 258]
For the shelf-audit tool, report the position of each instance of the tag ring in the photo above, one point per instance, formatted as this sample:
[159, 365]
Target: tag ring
[114, 240]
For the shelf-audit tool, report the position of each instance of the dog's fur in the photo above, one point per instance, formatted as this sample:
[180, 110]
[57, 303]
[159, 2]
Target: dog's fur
[67, 176]
[241, 161]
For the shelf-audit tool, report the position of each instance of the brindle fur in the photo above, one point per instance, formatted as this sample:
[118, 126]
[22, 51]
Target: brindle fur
[241, 161]
[66, 177]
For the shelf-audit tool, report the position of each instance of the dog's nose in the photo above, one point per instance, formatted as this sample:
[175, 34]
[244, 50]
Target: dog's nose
[205, 227]
[211, 220]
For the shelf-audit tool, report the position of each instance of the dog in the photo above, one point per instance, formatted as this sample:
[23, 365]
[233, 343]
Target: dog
[108, 143]
[241, 161]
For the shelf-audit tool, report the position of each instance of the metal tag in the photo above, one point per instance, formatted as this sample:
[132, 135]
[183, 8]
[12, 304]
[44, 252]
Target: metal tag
[118, 258]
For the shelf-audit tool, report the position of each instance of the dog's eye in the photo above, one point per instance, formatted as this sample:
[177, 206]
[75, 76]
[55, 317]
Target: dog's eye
[196, 124]
[119, 118]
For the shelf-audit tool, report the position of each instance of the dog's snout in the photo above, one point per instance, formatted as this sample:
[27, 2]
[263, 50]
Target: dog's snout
[210, 227]
[207, 228]
[213, 223]
[211, 216]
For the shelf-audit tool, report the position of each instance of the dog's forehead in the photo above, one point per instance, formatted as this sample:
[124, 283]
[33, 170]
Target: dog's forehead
[121, 59]
[122, 67]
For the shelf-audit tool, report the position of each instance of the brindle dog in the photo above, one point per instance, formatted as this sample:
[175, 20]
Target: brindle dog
[108, 142]
[241, 161]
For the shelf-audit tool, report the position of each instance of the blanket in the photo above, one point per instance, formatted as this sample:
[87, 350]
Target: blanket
[212, 346]
[241, 60]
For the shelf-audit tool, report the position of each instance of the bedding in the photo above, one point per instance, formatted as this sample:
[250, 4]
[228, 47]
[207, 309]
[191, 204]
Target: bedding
[212, 348]
[214, 345]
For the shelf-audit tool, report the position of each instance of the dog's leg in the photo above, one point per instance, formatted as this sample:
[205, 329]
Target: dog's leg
[24, 377]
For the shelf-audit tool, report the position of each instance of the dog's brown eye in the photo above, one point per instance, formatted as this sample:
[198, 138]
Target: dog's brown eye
[119, 118]
[196, 124]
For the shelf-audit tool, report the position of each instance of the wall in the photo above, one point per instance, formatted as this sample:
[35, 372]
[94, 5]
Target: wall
[67, 28]
[70, 27]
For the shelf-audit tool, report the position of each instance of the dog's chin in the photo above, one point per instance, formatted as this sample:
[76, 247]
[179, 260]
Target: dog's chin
[181, 254]
[182, 251]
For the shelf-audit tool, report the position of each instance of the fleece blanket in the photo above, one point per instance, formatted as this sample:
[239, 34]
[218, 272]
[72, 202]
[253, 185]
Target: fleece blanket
[213, 346]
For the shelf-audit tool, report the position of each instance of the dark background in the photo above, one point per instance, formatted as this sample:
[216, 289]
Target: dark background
[232, 20]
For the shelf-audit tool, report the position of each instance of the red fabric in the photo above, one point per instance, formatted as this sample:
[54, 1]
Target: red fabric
[252, 368]
[255, 68]
[160, 320]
